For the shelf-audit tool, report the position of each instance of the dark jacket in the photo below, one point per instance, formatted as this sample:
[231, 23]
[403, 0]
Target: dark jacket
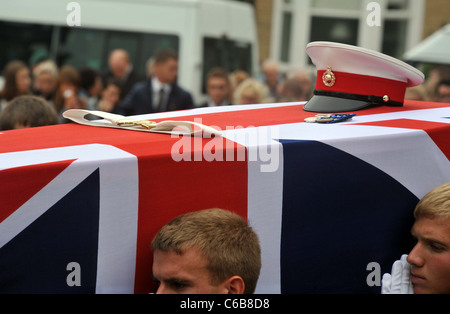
[140, 100]
[205, 104]
[131, 79]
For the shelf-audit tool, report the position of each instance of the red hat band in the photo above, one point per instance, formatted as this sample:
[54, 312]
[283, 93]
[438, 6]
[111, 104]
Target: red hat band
[354, 86]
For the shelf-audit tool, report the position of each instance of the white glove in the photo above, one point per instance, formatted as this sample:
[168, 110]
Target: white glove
[399, 281]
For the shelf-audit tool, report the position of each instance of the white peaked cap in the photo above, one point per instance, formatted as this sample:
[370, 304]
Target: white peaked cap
[352, 78]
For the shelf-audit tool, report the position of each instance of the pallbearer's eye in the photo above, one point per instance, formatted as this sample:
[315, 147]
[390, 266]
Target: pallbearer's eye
[436, 247]
[177, 285]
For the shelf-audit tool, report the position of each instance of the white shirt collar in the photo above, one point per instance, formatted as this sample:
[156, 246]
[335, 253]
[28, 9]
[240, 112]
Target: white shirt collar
[157, 85]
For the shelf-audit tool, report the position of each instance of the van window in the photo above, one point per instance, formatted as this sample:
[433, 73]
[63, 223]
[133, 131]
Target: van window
[77, 46]
[90, 47]
[26, 42]
[228, 54]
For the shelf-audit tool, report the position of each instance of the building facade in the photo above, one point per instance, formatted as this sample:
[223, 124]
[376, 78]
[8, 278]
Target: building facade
[390, 26]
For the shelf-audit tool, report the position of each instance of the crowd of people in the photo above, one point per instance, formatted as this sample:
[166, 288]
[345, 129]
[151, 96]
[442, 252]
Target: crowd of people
[38, 96]
[122, 91]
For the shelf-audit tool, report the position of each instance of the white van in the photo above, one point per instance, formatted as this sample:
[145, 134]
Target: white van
[205, 33]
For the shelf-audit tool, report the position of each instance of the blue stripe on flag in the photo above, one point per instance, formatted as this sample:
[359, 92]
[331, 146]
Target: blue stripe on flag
[337, 217]
[35, 261]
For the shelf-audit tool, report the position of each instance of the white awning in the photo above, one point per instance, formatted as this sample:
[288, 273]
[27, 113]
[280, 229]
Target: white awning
[433, 49]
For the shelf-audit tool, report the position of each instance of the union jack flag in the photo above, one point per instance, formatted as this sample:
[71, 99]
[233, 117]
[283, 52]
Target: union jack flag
[325, 200]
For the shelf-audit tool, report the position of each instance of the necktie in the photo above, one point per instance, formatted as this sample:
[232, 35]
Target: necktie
[161, 100]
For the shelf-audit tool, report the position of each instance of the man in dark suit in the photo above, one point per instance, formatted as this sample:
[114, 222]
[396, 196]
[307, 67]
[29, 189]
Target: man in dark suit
[121, 69]
[160, 92]
[218, 88]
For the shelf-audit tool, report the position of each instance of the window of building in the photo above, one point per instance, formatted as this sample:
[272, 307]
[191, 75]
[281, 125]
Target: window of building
[296, 23]
[353, 5]
[334, 29]
[286, 36]
[394, 37]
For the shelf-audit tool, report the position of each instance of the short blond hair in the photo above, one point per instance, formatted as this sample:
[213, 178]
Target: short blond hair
[435, 203]
[253, 88]
[225, 239]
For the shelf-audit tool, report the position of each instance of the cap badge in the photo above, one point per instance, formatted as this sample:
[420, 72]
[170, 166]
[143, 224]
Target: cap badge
[328, 77]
